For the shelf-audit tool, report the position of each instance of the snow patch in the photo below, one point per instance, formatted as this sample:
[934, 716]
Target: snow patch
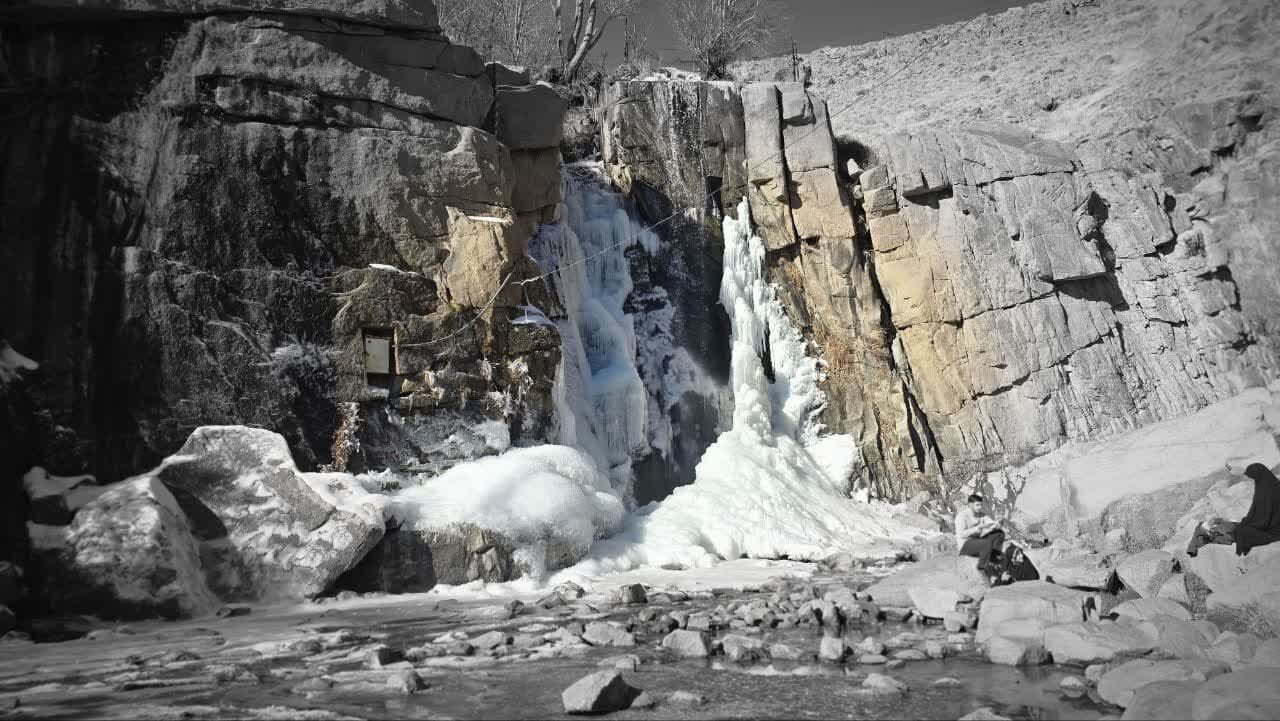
[529, 495]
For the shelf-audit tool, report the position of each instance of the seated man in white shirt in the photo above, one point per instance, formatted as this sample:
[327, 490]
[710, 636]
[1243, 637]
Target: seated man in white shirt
[977, 534]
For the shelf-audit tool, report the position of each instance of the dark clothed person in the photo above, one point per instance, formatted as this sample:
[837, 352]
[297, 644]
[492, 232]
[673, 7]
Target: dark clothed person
[1261, 525]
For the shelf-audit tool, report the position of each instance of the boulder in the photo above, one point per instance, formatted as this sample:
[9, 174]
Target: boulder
[1247, 694]
[1175, 589]
[1145, 608]
[1015, 651]
[1161, 700]
[1040, 600]
[1234, 648]
[687, 644]
[955, 573]
[130, 553]
[1070, 567]
[881, 683]
[983, 713]
[1220, 568]
[832, 649]
[1117, 685]
[600, 633]
[266, 531]
[742, 648]
[1178, 637]
[1252, 602]
[1085, 643]
[935, 602]
[597, 693]
[631, 594]
[1148, 571]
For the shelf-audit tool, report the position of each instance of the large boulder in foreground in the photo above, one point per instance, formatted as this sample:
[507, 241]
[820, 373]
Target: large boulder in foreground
[1082, 643]
[1247, 694]
[129, 553]
[1118, 685]
[942, 573]
[1251, 603]
[266, 531]
[1035, 600]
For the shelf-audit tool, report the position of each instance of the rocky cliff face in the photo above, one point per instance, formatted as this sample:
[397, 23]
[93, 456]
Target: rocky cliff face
[981, 295]
[290, 215]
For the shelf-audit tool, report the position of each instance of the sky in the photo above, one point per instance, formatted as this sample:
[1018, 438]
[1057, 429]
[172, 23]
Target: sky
[817, 23]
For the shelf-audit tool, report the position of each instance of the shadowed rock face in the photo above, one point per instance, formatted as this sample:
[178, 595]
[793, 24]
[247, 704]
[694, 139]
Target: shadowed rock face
[195, 192]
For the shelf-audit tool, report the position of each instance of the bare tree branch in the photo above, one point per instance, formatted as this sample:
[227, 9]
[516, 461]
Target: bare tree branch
[719, 32]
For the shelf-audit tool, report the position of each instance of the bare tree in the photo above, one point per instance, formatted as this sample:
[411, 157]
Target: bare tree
[590, 19]
[718, 32]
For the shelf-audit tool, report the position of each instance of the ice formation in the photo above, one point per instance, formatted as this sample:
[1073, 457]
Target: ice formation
[771, 486]
[529, 495]
[601, 399]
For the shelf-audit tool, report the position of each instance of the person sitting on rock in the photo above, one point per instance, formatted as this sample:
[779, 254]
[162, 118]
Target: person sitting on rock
[978, 535]
[1261, 525]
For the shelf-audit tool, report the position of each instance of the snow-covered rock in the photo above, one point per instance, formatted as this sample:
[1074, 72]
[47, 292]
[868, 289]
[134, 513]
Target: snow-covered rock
[266, 530]
[130, 553]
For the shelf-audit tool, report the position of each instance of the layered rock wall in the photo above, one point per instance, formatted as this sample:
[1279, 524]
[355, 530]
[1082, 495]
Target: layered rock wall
[980, 295]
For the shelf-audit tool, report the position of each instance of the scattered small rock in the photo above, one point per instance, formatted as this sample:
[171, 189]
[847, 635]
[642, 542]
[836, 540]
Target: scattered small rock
[872, 659]
[405, 681]
[895, 663]
[491, 640]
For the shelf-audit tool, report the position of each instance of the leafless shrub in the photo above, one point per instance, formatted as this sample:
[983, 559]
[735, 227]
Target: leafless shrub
[718, 32]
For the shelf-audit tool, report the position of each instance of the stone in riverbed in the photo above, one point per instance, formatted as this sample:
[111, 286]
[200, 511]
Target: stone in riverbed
[632, 593]
[871, 645]
[600, 692]
[1117, 685]
[686, 698]
[1246, 694]
[961, 619]
[983, 713]
[1081, 644]
[956, 573]
[881, 683]
[785, 652]
[1073, 687]
[601, 633]
[687, 644]
[742, 649]
[832, 649]
[1014, 651]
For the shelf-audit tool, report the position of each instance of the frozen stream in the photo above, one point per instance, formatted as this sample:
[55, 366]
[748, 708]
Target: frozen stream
[308, 661]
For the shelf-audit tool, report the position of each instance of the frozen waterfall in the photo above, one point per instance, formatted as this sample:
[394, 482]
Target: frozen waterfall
[770, 486]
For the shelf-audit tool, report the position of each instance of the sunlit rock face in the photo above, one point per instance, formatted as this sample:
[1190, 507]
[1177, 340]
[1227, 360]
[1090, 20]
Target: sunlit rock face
[215, 210]
[979, 294]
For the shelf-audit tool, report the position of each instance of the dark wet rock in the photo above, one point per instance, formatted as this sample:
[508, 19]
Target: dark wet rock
[233, 611]
[600, 692]
[380, 656]
[405, 681]
[7, 620]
